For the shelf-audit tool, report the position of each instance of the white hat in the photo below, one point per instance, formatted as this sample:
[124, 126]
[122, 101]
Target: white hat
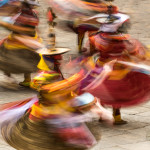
[55, 51]
[106, 26]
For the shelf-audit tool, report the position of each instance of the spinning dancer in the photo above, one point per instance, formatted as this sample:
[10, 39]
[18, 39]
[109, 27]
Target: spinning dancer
[72, 14]
[15, 56]
[20, 50]
[126, 85]
[97, 6]
[58, 116]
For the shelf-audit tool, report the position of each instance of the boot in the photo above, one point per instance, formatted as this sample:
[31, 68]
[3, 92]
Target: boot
[117, 117]
[27, 80]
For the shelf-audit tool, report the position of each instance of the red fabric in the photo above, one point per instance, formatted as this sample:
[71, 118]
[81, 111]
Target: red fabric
[50, 16]
[76, 136]
[57, 57]
[104, 42]
[24, 20]
[28, 16]
[133, 89]
[14, 104]
[101, 7]
[118, 45]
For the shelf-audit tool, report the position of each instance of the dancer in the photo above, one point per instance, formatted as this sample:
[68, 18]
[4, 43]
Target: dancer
[58, 116]
[16, 57]
[126, 85]
[97, 7]
[23, 46]
[72, 14]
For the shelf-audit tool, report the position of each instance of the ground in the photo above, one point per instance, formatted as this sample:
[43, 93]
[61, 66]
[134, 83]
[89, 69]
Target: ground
[136, 134]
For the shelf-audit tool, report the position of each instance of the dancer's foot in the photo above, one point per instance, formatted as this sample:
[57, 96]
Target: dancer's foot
[121, 122]
[25, 83]
[27, 80]
[117, 117]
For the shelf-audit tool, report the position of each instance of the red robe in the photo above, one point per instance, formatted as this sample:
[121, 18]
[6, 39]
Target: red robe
[124, 86]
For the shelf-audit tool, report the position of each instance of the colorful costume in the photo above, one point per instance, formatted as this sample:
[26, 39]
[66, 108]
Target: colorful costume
[74, 13]
[58, 116]
[125, 85]
[96, 6]
[15, 56]
[24, 46]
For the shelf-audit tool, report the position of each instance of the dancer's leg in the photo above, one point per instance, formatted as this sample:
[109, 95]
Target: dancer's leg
[27, 80]
[80, 41]
[117, 117]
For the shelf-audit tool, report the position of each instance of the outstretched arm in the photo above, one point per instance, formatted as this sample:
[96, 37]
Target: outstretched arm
[16, 28]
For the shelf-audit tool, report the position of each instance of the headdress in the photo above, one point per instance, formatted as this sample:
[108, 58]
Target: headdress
[55, 51]
[111, 23]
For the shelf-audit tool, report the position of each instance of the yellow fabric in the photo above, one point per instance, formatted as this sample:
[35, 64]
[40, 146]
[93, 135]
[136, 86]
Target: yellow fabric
[89, 63]
[42, 65]
[148, 46]
[118, 74]
[70, 83]
[14, 44]
[117, 118]
[100, 63]
[147, 54]
[40, 111]
[115, 74]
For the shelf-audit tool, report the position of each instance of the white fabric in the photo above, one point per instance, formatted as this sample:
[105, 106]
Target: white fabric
[110, 27]
[10, 20]
[14, 114]
[113, 27]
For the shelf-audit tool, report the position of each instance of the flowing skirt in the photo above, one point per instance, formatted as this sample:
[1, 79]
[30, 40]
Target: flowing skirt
[21, 132]
[132, 89]
[18, 60]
